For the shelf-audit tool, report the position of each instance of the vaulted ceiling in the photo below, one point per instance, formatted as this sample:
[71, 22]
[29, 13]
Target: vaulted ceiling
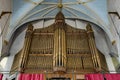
[29, 10]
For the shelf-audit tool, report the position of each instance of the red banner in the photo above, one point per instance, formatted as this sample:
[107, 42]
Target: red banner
[112, 76]
[31, 77]
[94, 77]
[1, 75]
[102, 77]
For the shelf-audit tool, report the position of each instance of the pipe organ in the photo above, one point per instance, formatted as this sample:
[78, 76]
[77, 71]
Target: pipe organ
[60, 51]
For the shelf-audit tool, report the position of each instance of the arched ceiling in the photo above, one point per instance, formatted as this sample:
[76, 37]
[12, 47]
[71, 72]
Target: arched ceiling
[28, 10]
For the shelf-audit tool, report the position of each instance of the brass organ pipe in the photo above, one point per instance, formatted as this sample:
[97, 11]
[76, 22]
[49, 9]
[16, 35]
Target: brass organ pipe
[52, 41]
[40, 44]
[64, 44]
[54, 63]
[65, 49]
[69, 39]
[55, 48]
[57, 53]
[37, 42]
[62, 48]
[64, 53]
[68, 45]
[77, 44]
[44, 39]
[49, 42]
[59, 44]
[71, 43]
[74, 43]
[46, 46]
[43, 44]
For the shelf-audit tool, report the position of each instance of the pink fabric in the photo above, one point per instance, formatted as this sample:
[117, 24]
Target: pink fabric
[112, 76]
[31, 77]
[94, 77]
[1, 75]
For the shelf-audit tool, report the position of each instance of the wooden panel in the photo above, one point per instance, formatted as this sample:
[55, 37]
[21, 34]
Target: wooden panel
[39, 63]
[79, 62]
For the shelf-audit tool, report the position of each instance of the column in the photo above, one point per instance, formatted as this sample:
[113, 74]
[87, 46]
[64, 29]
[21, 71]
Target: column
[110, 64]
[93, 49]
[26, 47]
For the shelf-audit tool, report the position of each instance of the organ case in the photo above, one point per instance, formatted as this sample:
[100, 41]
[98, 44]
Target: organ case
[60, 50]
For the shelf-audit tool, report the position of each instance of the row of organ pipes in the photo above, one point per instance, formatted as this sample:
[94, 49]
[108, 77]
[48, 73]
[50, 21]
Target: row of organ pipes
[59, 46]
[43, 44]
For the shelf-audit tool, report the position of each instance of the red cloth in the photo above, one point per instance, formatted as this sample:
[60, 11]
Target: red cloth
[31, 77]
[1, 75]
[94, 77]
[112, 76]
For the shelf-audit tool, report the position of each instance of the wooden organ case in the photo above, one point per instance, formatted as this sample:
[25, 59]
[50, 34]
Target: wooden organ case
[59, 50]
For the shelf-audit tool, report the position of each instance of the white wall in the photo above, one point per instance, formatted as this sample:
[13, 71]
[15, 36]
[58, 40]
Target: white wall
[114, 6]
[5, 5]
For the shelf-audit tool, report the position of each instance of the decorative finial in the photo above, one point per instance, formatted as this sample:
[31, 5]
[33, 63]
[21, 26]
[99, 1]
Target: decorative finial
[59, 17]
[30, 27]
[88, 27]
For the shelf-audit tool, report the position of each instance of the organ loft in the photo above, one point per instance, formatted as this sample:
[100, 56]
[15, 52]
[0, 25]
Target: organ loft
[59, 51]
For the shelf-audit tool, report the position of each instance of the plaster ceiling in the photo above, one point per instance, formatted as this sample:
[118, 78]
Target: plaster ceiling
[29, 10]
